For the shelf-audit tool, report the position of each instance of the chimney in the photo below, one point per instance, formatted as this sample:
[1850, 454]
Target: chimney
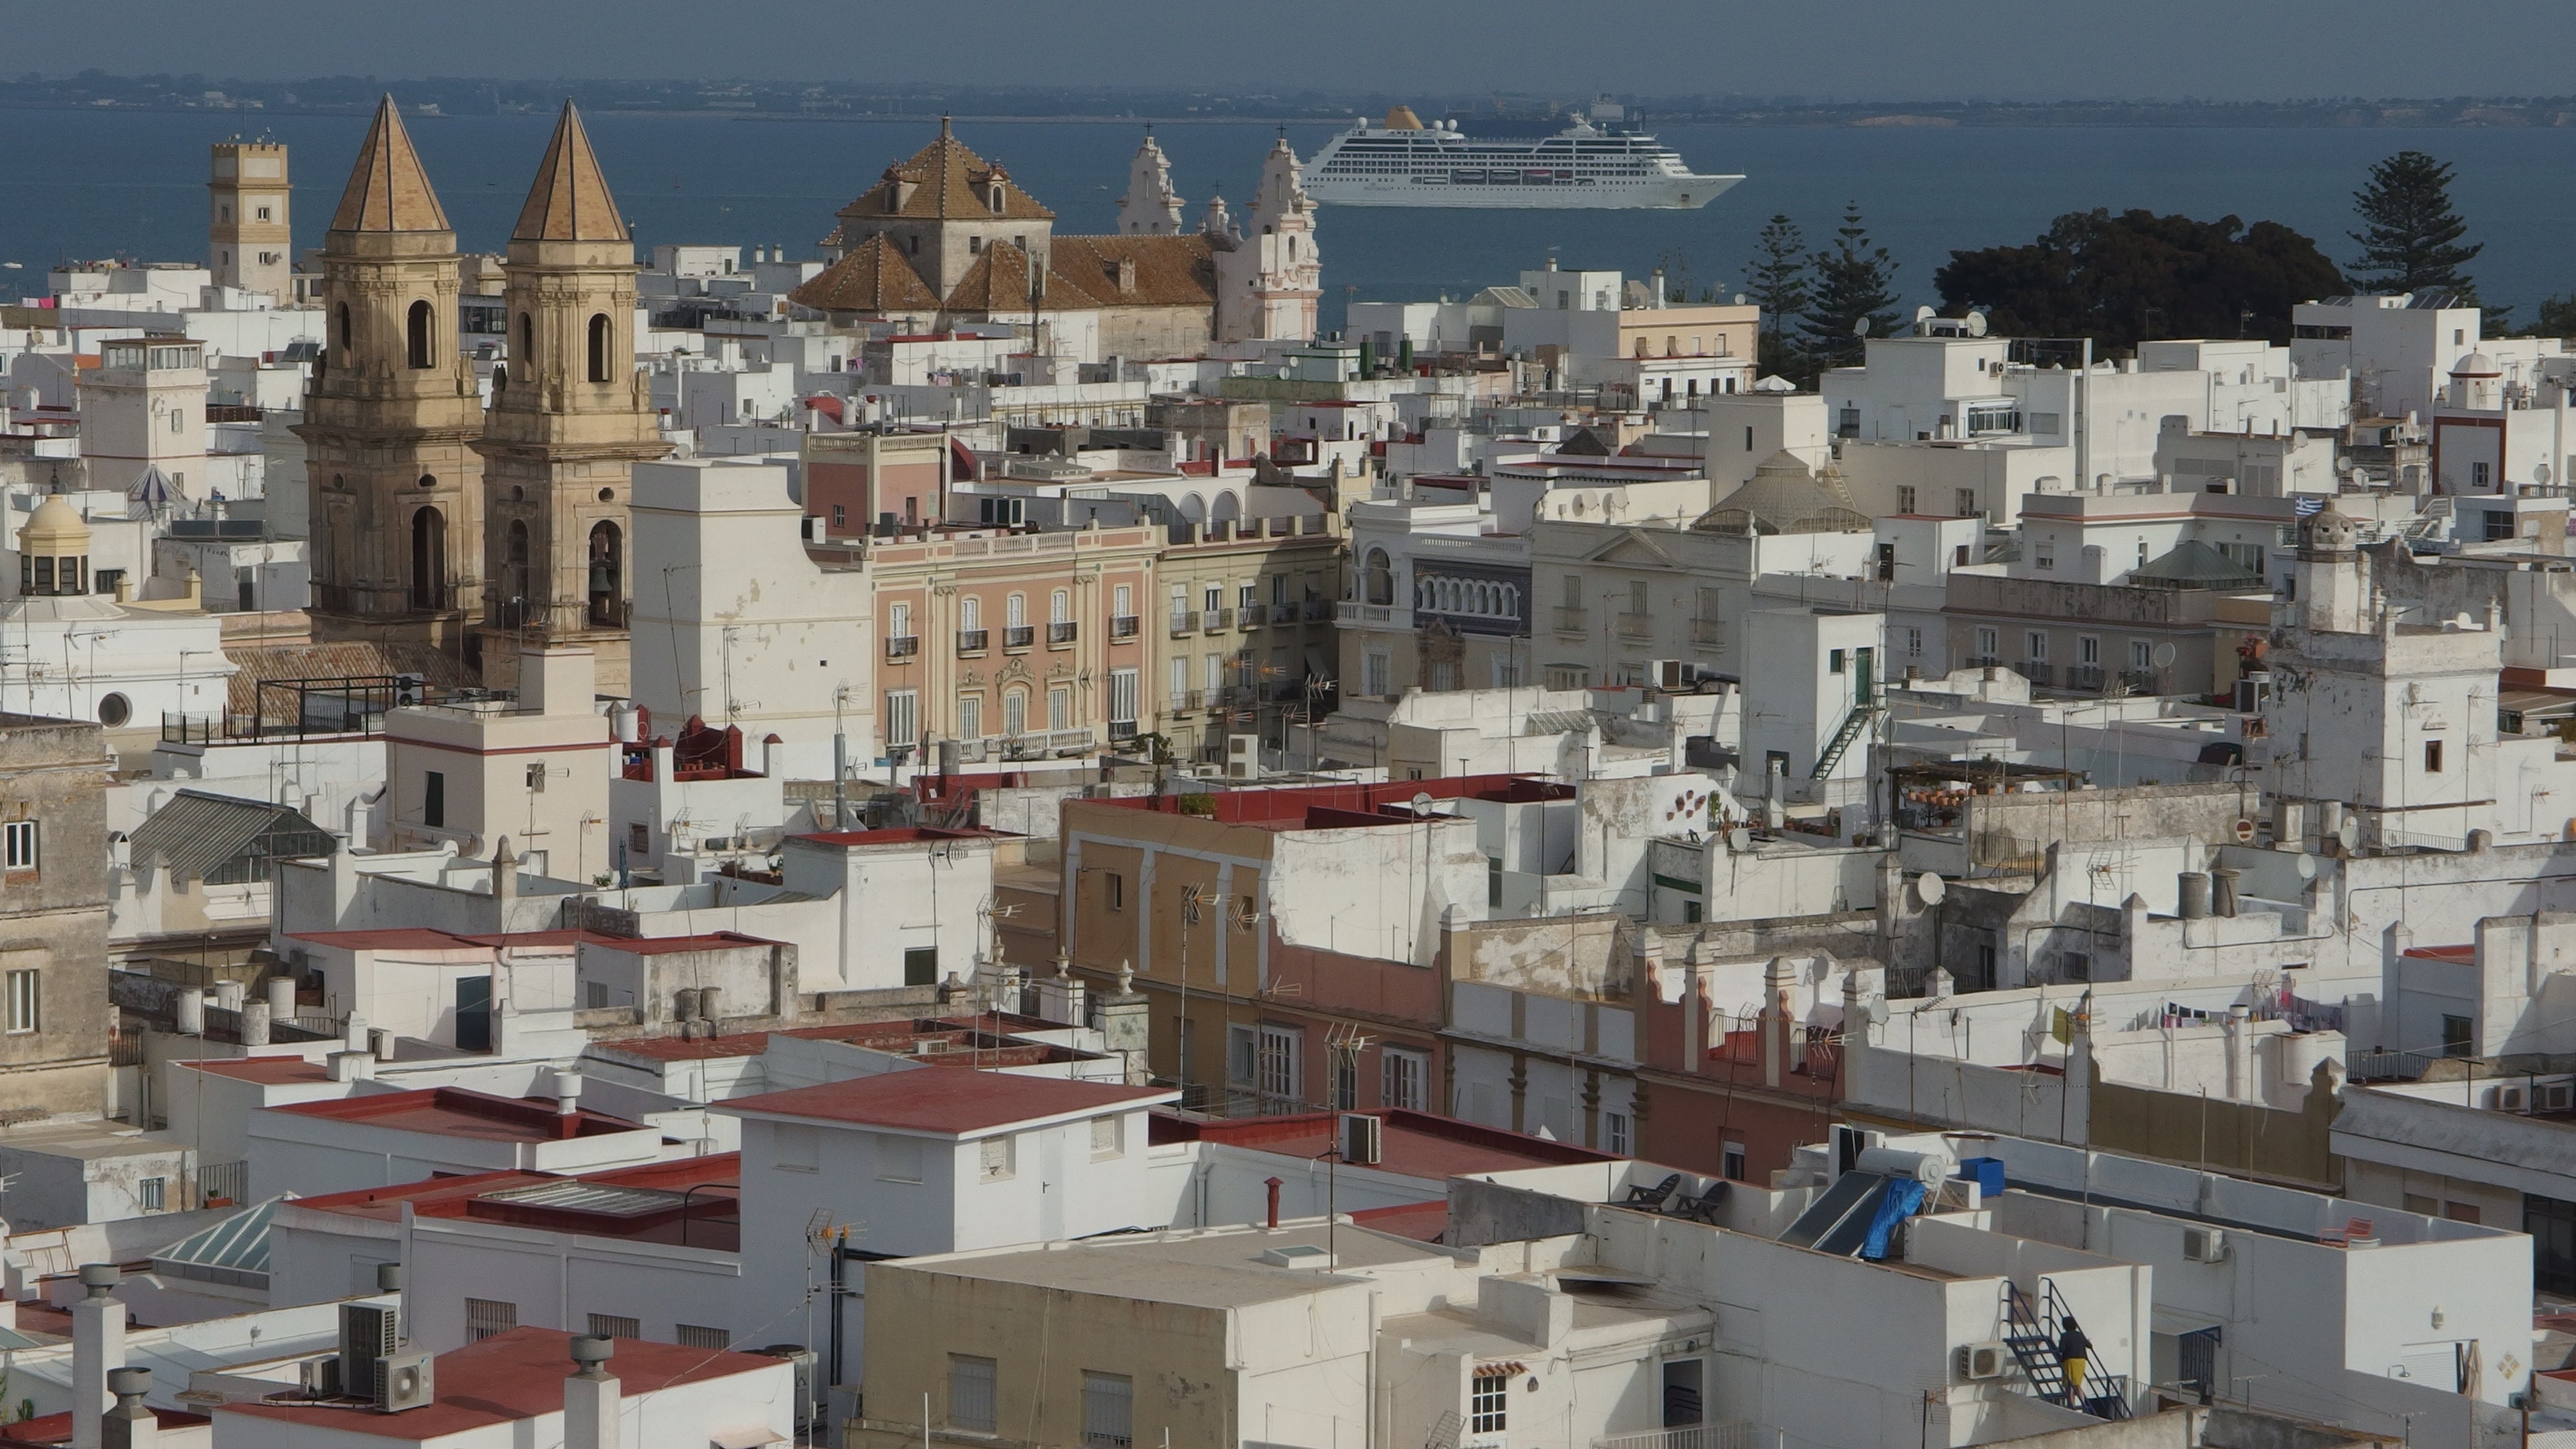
[228, 995]
[2192, 889]
[505, 879]
[567, 1102]
[591, 1396]
[98, 1344]
[281, 998]
[773, 758]
[356, 1038]
[1273, 1184]
[254, 1023]
[131, 1424]
[2222, 896]
[189, 1012]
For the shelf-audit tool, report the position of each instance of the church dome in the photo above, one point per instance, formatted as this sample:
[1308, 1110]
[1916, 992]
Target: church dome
[2332, 531]
[54, 529]
[2476, 364]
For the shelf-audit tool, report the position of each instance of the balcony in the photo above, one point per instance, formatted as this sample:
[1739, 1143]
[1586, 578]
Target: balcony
[903, 646]
[1017, 637]
[1121, 730]
[1061, 632]
[1046, 744]
[1184, 622]
[1283, 613]
[2037, 671]
[1122, 626]
[2143, 681]
[1318, 610]
[1252, 616]
[1382, 616]
[2084, 676]
[1219, 620]
[973, 641]
[1636, 626]
[1711, 632]
[1570, 618]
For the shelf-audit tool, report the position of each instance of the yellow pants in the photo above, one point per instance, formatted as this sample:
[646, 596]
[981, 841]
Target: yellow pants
[2075, 1379]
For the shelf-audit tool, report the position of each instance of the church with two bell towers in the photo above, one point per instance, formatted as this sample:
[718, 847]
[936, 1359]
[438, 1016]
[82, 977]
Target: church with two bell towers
[478, 530]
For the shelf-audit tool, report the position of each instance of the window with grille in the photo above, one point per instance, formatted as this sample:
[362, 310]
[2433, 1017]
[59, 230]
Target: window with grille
[1616, 1136]
[970, 1394]
[1402, 1079]
[610, 1325]
[1108, 1411]
[26, 1002]
[903, 717]
[154, 1193]
[692, 1335]
[1487, 1397]
[485, 1317]
[1122, 696]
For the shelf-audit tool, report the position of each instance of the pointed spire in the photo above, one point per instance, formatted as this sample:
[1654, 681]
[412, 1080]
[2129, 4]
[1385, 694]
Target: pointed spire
[570, 200]
[388, 190]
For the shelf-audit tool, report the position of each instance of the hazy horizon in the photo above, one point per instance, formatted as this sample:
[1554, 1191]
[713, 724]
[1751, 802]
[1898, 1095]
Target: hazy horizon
[1889, 51]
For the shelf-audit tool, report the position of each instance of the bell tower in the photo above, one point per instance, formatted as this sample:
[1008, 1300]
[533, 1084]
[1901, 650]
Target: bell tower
[570, 418]
[392, 413]
[250, 244]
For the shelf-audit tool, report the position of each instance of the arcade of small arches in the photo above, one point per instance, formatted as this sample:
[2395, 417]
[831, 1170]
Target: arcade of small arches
[1475, 598]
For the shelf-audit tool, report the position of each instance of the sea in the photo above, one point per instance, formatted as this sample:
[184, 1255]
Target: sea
[87, 184]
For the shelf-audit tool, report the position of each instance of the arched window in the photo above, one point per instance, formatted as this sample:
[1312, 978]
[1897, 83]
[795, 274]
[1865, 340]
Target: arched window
[428, 559]
[500, 377]
[607, 576]
[417, 333]
[599, 347]
[344, 326]
[527, 340]
[1292, 249]
[1380, 583]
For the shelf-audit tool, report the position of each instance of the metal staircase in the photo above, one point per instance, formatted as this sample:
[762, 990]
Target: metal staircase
[1855, 724]
[2030, 1331]
[1444, 1434]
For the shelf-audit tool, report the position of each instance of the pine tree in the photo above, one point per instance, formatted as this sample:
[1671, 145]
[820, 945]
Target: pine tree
[1854, 280]
[2409, 234]
[1776, 279]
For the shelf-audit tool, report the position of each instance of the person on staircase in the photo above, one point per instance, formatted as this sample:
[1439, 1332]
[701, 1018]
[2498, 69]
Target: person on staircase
[2072, 1350]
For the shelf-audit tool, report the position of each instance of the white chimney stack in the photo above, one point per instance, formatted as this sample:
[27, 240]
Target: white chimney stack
[591, 1397]
[131, 1424]
[98, 1344]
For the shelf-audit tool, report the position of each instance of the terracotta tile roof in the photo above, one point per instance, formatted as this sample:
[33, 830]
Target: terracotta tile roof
[874, 277]
[388, 190]
[1169, 271]
[999, 282]
[570, 200]
[946, 182]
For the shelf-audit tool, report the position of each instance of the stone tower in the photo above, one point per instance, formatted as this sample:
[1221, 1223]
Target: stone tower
[1270, 280]
[1151, 207]
[248, 242]
[570, 418]
[392, 413]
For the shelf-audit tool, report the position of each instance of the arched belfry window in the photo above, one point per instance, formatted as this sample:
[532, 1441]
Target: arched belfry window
[417, 333]
[599, 338]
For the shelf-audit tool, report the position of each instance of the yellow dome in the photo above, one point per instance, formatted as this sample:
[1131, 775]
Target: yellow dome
[54, 530]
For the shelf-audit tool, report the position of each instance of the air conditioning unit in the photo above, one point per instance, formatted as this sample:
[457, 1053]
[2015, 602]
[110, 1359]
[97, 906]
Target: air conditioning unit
[368, 1333]
[319, 1377]
[1363, 1139]
[405, 1381]
[2508, 1099]
[2204, 1245]
[1984, 1360]
[1243, 757]
[2556, 1098]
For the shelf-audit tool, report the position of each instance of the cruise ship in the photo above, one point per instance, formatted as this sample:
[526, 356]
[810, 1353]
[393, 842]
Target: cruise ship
[1407, 163]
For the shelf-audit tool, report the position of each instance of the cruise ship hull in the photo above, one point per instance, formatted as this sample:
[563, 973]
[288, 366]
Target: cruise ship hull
[1665, 193]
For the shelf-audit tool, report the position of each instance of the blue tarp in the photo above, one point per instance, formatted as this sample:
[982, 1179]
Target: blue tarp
[1903, 1196]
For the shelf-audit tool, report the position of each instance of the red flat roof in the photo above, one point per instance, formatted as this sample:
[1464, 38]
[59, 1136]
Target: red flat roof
[47, 1431]
[1424, 1222]
[903, 835]
[1305, 807]
[457, 1112]
[269, 1071]
[400, 938]
[514, 1376]
[1416, 1144]
[385, 1203]
[950, 1103]
[539, 938]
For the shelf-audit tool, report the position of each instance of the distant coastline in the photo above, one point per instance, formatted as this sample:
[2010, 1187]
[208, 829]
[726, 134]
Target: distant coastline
[782, 101]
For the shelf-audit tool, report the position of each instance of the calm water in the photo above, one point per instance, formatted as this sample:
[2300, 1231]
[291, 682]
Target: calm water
[89, 184]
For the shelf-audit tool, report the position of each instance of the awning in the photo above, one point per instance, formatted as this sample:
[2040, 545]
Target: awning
[1316, 668]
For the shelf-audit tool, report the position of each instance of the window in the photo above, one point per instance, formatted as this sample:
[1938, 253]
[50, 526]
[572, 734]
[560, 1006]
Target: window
[1108, 1411]
[1015, 713]
[594, 995]
[1114, 890]
[1122, 703]
[2478, 476]
[1059, 607]
[1279, 1075]
[2432, 757]
[611, 1325]
[903, 718]
[1487, 1394]
[1905, 500]
[1964, 502]
[1833, 661]
[997, 1159]
[485, 1317]
[26, 1002]
[1986, 644]
[692, 1335]
[970, 1394]
[1373, 673]
[21, 837]
[1122, 601]
[1108, 1136]
[433, 799]
[970, 716]
[1242, 1055]
[1617, 1136]
[921, 966]
[1682, 1392]
[898, 1158]
[2459, 1037]
[417, 335]
[1913, 643]
[2142, 655]
[1403, 1078]
[2088, 649]
[1059, 708]
[153, 1193]
[2035, 647]
[599, 339]
[1346, 1081]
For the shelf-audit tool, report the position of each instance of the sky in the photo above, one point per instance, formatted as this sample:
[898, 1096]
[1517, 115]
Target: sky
[2223, 50]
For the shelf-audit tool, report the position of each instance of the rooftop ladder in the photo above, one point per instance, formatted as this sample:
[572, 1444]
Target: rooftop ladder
[1855, 724]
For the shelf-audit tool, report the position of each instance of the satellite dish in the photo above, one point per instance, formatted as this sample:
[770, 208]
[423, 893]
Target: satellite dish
[1930, 887]
[1422, 805]
[2307, 866]
[1860, 327]
[2164, 656]
[2540, 473]
[1739, 839]
[2350, 834]
[1976, 324]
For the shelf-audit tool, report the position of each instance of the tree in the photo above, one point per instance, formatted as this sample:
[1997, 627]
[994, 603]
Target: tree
[1854, 281]
[2557, 317]
[2409, 234]
[1776, 279]
[2121, 279]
